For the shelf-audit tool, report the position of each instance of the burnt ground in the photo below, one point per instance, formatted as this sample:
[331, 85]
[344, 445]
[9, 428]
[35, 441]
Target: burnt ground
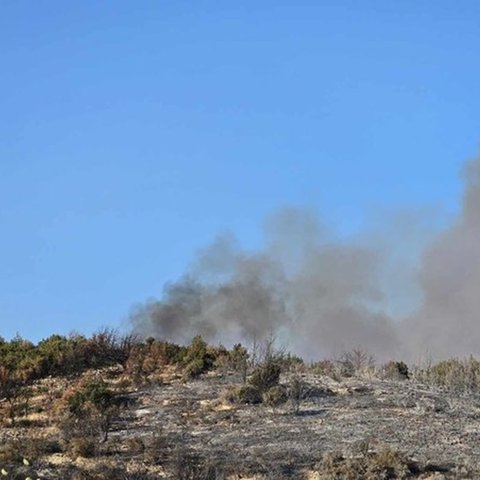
[437, 430]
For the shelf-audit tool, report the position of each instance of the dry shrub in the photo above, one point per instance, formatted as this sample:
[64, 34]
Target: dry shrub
[247, 394]
[146, 360]
[394, 371]
[230, 395]
[265, 376]
[10, 453]
[298, 391]
[190, 466]
[455, 375]
[14, 451]
[327, 368]
[235, 360]
[275, 396]
[157, 449]
[89, 410]
[135, 445]
[106, 472]
[355, 362]
[14, 392]
[85, 447]
[385, 464]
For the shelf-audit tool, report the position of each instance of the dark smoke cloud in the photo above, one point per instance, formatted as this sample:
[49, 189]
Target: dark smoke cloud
[322, 294]
[227, 295]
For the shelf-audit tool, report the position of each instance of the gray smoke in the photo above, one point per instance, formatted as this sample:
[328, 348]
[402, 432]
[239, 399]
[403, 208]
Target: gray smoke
[322, 294]
[226, 295]
[448, 322]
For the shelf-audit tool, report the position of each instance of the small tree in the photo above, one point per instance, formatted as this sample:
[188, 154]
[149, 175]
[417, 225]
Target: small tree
[197, 359]
[298, 391]
[10, 390]
[95, 402]
[356, 361]
[239, 360]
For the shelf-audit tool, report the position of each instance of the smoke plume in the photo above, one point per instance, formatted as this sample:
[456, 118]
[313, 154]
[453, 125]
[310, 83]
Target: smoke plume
[448, 322]
[322, 294]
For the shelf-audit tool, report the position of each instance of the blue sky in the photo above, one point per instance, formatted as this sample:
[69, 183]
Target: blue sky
[131, 133]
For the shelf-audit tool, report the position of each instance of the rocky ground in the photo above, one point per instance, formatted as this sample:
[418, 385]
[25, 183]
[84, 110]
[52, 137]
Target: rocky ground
[341, 425]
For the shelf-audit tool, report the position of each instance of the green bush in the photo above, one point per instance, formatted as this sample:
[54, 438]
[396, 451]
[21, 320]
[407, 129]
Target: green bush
[198, 359]
[96, 393]
[95, 406]
[60, 355]
[265, 376]
[194, 368]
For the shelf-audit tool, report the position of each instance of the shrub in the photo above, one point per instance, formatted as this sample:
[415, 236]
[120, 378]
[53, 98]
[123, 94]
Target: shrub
[275, 396]
[194, 368]
[94, 392]
[291, 362]
[198, 359]
[385, 464]
[157, 449]
[11, 390]
[248, 394]
[265, 376]
[395, 371]
[235, 360]
[328, 368]
[10, 453]
[135, 445]
[20, 470]
[95, 406]
[14, 355]
[456, 375]
[29, 448]
[60, 355]
[356, 361]
[190, 466]
[298, 391]
[85, 447]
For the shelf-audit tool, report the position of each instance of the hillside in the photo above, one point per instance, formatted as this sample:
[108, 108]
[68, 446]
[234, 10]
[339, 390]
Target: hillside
[201, 412]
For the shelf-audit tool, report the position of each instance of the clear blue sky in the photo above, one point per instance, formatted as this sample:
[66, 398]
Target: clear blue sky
[132, 132]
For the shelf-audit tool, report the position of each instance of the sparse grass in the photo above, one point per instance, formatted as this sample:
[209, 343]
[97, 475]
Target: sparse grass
[456, 375]
[190, 466]
[385, 464]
